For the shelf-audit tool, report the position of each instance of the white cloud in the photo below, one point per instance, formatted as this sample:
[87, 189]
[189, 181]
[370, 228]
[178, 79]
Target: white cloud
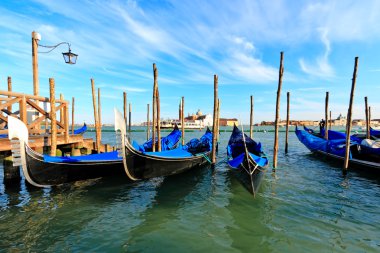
[321, 67]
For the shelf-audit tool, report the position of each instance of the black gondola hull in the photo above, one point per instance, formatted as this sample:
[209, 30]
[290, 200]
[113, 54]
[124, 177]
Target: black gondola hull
[48, 173]
[143, 166]
[249, 181]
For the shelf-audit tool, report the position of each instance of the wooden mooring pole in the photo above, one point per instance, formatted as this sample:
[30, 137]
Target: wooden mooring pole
[154, 108]
[368, 134]
[183, 120]
[251, 120]
[53, 147]
[287, 121]
[214, 122]
[130, 118]
[147, 122]
[218, 124]
[158, 121]
[349, 118]
[10, 90]
[67, 129]
[330, 123]
[275, 147]
[97, 146]
[125, 106]
[369, 118]
[99, 119]
[326, 116]
[72, 115]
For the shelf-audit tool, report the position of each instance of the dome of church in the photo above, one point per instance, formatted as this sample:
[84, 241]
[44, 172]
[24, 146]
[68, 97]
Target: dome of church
[199, 113]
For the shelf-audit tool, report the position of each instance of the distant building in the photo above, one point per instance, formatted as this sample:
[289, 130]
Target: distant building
[339, 121]
[228, 122]
[194, 121]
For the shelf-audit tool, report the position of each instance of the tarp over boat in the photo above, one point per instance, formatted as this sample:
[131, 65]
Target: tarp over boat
[167, 143]
[315, 143]
[236, 149]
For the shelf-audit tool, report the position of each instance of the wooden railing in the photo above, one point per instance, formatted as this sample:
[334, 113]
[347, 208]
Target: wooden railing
[19, 104]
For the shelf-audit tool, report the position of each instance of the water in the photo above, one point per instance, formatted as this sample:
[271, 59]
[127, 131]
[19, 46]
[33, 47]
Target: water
[307, 206]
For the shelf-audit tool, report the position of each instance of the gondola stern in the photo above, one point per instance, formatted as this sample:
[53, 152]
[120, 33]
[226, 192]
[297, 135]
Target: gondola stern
[17, 129]
[124, 143]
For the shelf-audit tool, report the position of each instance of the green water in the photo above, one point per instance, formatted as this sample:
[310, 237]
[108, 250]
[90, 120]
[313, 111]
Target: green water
[307, 206]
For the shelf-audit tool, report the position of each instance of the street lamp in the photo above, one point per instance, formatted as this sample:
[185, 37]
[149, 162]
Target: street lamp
[69, 57]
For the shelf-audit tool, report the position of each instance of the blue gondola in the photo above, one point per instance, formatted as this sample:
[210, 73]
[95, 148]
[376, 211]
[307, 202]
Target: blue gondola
[246, 159]
[140, 164]
[335, 149]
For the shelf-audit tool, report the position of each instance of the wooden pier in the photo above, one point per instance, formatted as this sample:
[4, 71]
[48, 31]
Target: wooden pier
[47, 120]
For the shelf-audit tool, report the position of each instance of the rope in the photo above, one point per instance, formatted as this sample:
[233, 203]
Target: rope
[206, 157]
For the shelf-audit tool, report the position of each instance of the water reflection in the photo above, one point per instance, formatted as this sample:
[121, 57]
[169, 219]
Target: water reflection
[307, 205]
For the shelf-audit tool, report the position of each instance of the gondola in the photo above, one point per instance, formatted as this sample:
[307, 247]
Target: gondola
[81, 130]
[334, 149]
[143, 165]
[368, 149]
[44, 171]
[246, 159]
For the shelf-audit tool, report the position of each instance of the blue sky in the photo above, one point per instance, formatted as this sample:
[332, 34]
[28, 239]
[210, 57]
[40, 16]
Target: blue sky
[190, 41]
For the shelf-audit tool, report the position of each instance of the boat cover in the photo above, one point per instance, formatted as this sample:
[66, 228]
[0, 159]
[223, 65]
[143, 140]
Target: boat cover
[315, 143]
[81, 130]
[108, 156]
[374, 132]
[193, 147]
[167, 142]
[236, 149]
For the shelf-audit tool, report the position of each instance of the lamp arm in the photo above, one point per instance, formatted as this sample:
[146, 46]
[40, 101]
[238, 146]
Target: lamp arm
[53, 47]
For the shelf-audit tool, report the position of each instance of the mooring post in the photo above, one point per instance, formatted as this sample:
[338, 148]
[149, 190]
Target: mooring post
[275, 148]
[215, 120]
[251, 120]
[125, 106]
[287, 121]
[326, 116]
[349, 118]
[99, 117]
[72, 115]
[330, 122]
[53, 147]
[183, 120]
[97, 146]
[154, 108]
[11, 173]
[10, 90]
[368, 134]
[67, 129]
[369, 118]
[130, 119]
[147, 122]
[158, 121]
[218, 125]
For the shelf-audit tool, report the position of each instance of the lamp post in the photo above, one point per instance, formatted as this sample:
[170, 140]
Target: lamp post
[69, 57]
